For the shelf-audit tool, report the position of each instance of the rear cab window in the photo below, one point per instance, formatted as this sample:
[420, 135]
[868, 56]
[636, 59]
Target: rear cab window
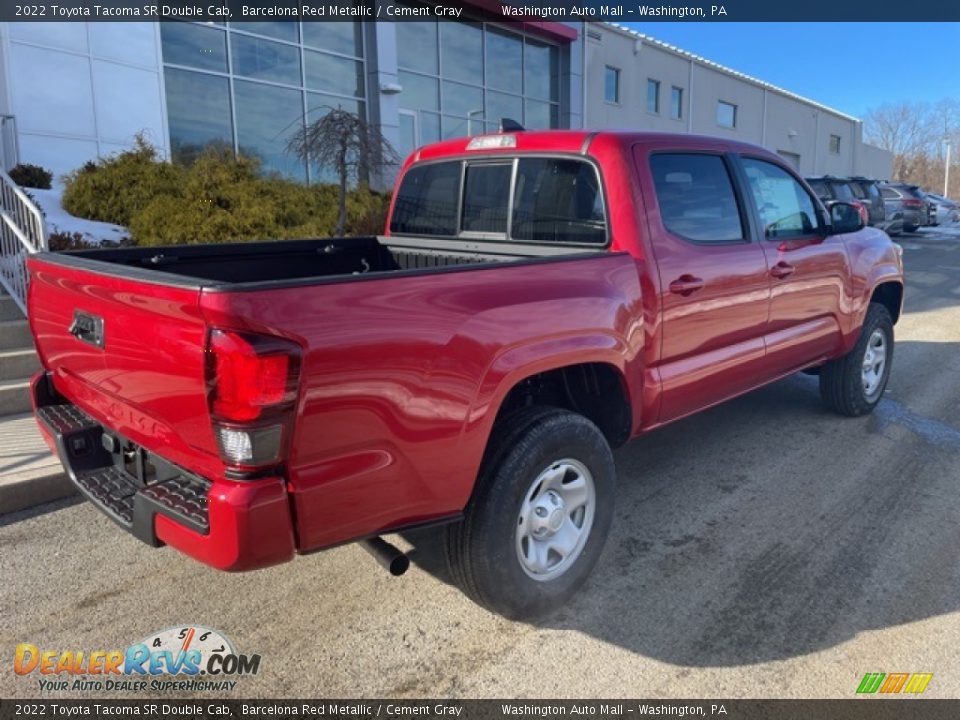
[546, 200]
[821, 189]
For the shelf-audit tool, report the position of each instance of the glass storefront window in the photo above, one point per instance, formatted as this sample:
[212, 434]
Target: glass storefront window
[463, 100]
[319, 104]
[540, 70]
[340, 37]
[419, 91]
[267, 117]
[484, 73]
[540, 115]
[417, 46]
[281, 30]
[332, 73]
[265, 60]
[243, 105]
[461, 47]
[195, 46]
[500, 105]
[198, 109]
[504, 61]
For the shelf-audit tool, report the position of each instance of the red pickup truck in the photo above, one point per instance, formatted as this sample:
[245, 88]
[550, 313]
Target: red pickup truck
[537, 298]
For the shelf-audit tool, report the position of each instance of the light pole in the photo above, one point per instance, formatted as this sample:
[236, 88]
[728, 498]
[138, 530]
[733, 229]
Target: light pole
[946, 170]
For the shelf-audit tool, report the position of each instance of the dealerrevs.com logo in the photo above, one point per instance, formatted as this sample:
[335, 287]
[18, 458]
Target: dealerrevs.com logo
[188, 658]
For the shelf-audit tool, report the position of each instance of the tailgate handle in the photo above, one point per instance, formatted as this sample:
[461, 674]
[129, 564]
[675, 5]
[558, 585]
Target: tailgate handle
[87, 328]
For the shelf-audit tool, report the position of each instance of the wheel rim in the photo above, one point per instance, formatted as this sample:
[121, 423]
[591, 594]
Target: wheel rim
[555, 519]
[874, 363]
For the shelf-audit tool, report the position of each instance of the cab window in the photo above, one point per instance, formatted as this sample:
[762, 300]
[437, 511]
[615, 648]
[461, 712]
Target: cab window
[696, 197]
[785, 207]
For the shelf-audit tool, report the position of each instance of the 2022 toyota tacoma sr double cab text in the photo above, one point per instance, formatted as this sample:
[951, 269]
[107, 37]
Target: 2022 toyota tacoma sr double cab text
[537, 298]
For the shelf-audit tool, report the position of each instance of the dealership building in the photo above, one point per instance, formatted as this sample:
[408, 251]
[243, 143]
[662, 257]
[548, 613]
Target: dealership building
[72, 92]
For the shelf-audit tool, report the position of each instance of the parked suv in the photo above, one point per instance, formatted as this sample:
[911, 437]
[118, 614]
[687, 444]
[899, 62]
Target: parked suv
[832, 189]
[909, 200]
[867, 190]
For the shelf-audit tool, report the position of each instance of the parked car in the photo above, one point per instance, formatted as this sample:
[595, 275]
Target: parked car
[908, 200]
[831, 189]
[945, 210]
[861, 190]
[867, 190]
[537, 298]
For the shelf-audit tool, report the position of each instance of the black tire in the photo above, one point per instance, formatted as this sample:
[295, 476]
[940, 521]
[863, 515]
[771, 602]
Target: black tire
[841, 380]
[910, 228]
[482, 550]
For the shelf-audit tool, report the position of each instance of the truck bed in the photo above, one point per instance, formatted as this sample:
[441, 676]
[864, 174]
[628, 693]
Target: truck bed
[300, 261]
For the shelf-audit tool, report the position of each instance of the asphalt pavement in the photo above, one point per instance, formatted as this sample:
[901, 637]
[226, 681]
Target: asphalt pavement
[764, 548]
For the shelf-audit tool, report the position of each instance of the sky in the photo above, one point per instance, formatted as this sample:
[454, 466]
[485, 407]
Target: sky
[849, 67]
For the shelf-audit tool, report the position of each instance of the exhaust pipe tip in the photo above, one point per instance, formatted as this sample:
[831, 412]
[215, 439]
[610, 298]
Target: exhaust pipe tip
[390, 557]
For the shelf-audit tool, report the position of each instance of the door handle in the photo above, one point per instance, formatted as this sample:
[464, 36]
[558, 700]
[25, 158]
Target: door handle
[782, 269]
[685, 285]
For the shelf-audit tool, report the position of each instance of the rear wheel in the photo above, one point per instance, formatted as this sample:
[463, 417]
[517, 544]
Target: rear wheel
[853, 384]
[540, 514]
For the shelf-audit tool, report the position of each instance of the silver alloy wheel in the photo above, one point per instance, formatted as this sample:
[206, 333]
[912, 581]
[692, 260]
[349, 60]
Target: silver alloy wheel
[555, 519]
[874, 363]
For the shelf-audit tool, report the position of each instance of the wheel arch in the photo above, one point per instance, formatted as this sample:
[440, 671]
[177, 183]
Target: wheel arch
[595, 387]
[889, 293]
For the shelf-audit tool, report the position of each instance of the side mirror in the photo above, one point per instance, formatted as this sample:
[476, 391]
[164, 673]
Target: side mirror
[844, 218]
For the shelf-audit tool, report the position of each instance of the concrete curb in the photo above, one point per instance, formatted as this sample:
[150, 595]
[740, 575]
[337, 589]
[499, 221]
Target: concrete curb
[32, 489]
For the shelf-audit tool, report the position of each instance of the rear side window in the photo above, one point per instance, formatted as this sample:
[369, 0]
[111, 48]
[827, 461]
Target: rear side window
[558, 200]
[871, 190]
[820, 188]
[427, 200]
[858, 191]
[842, 191]
[696, 197]
[890, 193]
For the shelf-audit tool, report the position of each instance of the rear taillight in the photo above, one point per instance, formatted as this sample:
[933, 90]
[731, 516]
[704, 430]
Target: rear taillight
[252, 385]
[910, 202]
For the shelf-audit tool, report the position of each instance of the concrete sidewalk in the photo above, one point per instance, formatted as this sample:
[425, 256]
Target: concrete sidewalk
[29, 474]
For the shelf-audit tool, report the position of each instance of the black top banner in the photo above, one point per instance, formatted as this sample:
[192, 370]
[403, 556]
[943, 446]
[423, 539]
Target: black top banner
[851, 11]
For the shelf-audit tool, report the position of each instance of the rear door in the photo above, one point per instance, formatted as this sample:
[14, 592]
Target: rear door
[714, 284]
[808, 268]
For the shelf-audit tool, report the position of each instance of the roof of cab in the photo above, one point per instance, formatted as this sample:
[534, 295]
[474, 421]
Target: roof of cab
[571, 141]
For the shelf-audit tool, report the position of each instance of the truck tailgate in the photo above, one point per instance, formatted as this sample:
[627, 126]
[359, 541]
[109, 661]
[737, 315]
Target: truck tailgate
[128, 352]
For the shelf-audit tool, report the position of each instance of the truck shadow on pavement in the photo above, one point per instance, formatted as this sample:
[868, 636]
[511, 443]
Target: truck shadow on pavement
[768, 528]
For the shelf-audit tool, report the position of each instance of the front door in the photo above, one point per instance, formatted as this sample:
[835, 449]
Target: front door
[714, 282]
[808, 269]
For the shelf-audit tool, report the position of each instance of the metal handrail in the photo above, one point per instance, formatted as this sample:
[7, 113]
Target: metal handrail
[22, 232]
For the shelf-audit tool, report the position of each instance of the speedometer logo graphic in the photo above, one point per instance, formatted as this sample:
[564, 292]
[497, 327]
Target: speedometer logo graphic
[184, 639]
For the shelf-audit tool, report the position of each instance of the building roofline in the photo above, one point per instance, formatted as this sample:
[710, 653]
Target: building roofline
[660, 44]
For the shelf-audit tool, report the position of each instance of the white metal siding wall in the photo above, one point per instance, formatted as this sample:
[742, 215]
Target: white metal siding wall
[765, 117]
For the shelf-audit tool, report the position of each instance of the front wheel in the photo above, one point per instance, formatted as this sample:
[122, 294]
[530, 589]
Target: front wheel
[540, 514]
[853, 384]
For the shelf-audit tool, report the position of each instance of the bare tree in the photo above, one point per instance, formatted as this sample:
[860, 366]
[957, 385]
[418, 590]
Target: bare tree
[915, 134]
[344, 142]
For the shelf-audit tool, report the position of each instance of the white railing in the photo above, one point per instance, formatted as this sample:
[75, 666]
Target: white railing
[22, 232]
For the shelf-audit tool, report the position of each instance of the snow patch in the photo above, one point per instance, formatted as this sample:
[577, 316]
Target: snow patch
[58, 220]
